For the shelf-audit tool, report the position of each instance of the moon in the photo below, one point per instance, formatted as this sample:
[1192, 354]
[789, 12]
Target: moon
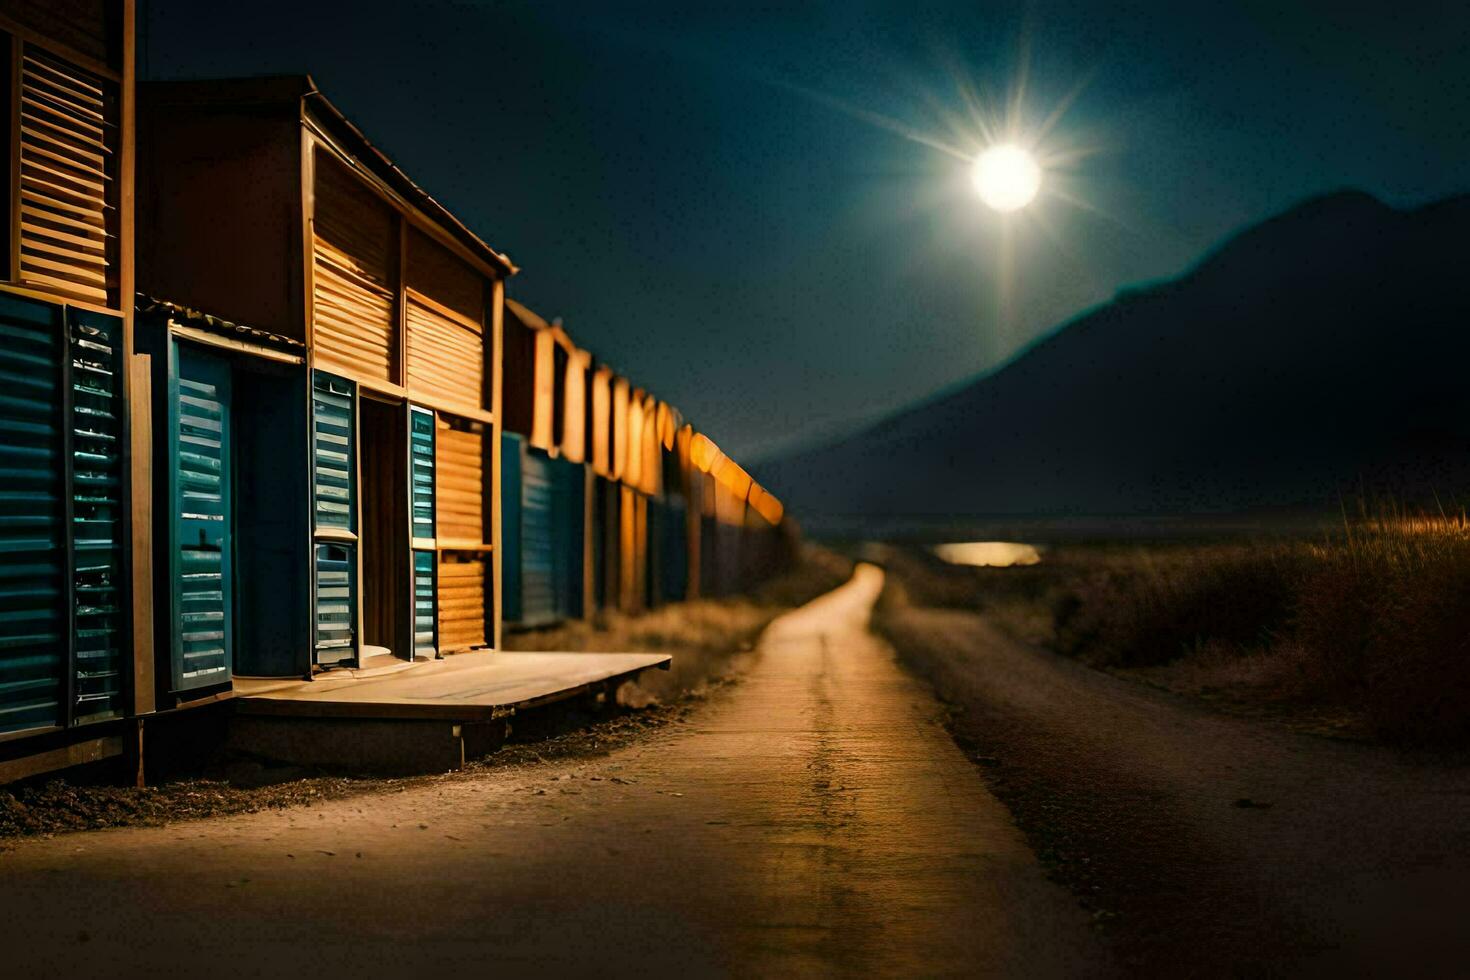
[1006, 176]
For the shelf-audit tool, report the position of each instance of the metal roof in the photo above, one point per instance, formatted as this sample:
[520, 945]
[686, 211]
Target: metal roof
[214, 324]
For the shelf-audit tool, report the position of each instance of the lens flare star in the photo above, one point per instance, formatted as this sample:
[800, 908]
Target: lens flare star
[1006, 176]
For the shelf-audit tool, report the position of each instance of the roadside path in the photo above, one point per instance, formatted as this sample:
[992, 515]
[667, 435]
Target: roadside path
[812, 819]
[1229, 847]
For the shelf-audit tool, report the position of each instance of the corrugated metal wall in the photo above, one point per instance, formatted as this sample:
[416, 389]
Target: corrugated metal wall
[32, 534]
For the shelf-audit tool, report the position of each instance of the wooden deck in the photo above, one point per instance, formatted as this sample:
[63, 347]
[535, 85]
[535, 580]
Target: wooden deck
[466, 687]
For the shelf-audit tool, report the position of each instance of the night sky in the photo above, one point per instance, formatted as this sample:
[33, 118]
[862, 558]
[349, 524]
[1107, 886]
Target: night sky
[725, 201]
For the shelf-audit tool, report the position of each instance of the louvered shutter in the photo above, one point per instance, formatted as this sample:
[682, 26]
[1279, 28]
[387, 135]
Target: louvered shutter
[425, 617]
[568, 529]
[334, 465]
[421, 471]
[202, 488]
[97, 512]
[336, 578]
[510, 526]
[355, 243]
[538, 592]
[446, 356]
[68, 132]
[32, 540]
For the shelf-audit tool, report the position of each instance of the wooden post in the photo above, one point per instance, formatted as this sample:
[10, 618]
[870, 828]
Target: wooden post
[497, 327]
[140, 404]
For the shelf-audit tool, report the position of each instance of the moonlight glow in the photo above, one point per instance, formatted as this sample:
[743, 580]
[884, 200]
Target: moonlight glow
[1006, 176]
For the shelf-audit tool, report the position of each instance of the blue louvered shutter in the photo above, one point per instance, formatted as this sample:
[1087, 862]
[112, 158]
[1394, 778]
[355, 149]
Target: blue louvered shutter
[336, 574]
[421, 466]
[203, 513]
[334, 467]
[97, 515]
[333, 451]
[510, 526]
[538, 590]
[32, 539]
[568, 523]
[425, 617]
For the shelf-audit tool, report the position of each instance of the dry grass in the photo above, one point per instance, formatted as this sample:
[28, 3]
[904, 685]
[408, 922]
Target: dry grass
[1368, 628]
[705, 636]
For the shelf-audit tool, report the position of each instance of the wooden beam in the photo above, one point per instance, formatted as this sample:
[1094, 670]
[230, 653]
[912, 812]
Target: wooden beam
[92, 750]
[16, 55]
[140, 401]
[230, 343]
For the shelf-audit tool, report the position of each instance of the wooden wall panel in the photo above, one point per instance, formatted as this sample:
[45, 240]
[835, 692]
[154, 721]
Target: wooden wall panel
[574, 408]
[446, 357]
[460, 483]
[94, 28]
[518, 388]
[227, 183]
[544, 408]
[355, 245]
[461, 603]
[435, 272]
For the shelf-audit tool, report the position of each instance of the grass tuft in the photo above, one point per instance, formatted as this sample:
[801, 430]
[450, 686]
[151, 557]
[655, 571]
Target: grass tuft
[1371, 622]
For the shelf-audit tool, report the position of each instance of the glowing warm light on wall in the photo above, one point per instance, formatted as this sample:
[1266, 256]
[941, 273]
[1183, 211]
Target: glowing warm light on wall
[668, 424]
[545, 390]
[620, 429]
[633, 451]
[732, 477]
[703, 453]
[574, 409]
[766, 505]
[601, 422]
[653, 461]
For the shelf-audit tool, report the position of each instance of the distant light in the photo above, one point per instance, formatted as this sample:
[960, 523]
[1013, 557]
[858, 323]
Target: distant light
[999, 554]
[1006, 176]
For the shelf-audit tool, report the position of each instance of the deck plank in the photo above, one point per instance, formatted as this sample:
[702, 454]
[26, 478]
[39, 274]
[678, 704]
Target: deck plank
[464, 687]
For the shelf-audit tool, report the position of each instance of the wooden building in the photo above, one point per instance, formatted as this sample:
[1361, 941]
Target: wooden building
[665, 515]
[349, 439]
[279, 450]
[545, 483]
[72, 640]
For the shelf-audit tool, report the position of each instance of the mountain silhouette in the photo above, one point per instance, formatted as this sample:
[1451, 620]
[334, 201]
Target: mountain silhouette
[1322, 352]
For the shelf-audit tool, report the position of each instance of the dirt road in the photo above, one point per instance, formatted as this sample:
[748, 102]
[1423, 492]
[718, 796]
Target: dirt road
[813, 818]
[1227, 847]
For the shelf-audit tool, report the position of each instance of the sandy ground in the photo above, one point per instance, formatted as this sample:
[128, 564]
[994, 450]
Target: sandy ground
[1223, 846]
[812, 819]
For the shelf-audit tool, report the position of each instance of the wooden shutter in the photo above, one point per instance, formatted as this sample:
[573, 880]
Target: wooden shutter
[68, 214]
[459, 506]
[462, 601]
[460, 483]
[446, 355]
[32, 570]
[355, 241]
[97, 569]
